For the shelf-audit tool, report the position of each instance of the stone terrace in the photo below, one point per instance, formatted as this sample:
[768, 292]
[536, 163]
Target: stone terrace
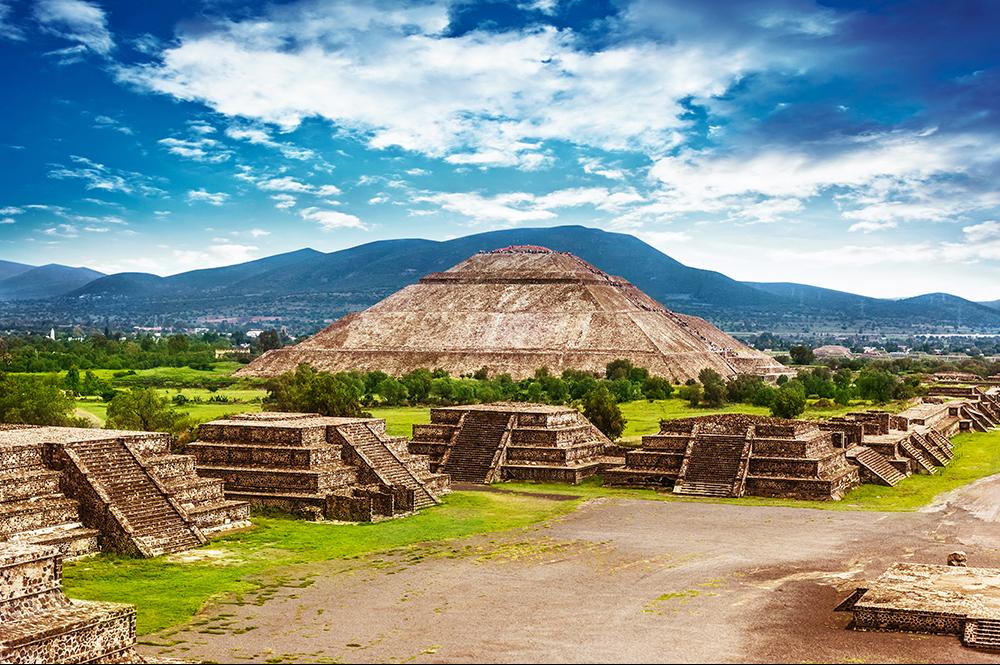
[38, 624]
[337, 468]
[483, 443]
[736, 454]
[926, 598]
[79, 488]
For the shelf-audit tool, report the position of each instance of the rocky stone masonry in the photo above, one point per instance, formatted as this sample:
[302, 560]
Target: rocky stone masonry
[335, 468]
[513, 310]
[83, 489]
[482, 443]
[926, 598]
[980, 407]
[736, 454]
[38, 624]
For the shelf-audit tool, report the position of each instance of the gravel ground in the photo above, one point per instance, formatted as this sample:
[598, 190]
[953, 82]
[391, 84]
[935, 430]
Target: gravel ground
[615, 581]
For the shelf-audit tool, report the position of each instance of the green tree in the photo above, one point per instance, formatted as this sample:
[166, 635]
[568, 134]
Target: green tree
[713, 387]
[789, 402]
[306, 390]
[146, 410]
[876, 384]
[600, 408]
[72, 380]
[618, 369]
[801, 354]
[692, 392]
[656, 387]
[177, 344]
[35, 400]
[268, 340]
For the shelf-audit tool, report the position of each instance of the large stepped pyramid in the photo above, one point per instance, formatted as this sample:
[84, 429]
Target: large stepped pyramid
[515, 309]
[80, 489]
[38, 624]
[481, 443]
[337, 468]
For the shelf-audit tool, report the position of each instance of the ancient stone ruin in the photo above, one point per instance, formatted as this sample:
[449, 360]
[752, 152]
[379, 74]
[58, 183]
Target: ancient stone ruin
[733, 455]
[83, 489]
[38, 624]
[730, 455]
[512, 311]
[334, 468]
[936, 599]
[483, 443]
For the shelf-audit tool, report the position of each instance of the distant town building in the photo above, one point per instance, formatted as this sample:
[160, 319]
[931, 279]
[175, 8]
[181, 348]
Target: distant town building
[832, 351]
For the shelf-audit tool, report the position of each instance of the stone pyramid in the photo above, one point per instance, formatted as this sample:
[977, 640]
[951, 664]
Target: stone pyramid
[514, 310]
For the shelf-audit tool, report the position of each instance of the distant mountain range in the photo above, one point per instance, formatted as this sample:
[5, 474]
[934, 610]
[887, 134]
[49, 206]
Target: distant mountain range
[306, 288]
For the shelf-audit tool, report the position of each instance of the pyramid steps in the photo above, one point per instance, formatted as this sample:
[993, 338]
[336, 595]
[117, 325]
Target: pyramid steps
[714, 462]
[923, 462]
[983, 633]
[474, 455]
[386, 464]
[878, 466]
[145, 518]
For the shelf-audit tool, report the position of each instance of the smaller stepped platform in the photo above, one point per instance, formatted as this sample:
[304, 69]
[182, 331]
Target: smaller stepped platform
[875, 468]
[935, 599]
[335, 468]
[484, 443]
[38, 624]
[78, 488]
[734, 454]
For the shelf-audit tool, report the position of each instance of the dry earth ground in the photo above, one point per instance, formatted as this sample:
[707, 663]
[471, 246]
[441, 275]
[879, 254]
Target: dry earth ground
[616, 580]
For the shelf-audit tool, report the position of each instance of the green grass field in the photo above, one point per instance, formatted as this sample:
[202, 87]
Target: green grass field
[168, 593]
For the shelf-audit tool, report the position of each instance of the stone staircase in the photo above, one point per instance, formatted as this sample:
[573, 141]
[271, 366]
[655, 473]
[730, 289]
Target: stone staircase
[34, 510]
[929, 448]
[982, 633]
[878, 466]
[943, 443]
[386, 465]
[914, 453]
[714, 465]
[979, 421]
[473, 456]
[115, 487]
[38, 624]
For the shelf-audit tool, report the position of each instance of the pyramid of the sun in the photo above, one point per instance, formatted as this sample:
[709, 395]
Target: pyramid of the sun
[512, 311]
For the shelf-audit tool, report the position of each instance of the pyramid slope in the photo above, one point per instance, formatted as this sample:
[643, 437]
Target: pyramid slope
[514, 310]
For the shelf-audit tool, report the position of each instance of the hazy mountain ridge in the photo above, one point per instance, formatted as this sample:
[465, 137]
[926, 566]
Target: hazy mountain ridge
[46, 281]
[306, 287]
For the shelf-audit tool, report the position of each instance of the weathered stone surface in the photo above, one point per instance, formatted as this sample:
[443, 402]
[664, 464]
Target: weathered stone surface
[481, 443]
[512, 311]
[38, 624]
[76, 488]
[342, 468]
[927, 598]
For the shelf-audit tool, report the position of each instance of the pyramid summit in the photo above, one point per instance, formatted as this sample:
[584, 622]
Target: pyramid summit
[513, 310]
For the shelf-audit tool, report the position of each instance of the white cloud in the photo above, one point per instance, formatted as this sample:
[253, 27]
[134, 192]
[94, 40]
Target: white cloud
[258, 233]
[377, 200]
[76, 20]
[107, 122]
[11, 210]
[986, 231]
[62, 231]
[98, 176]
[285, 184]
[767, 211]
[215, 255]
[520, 207]
[7, 220]
[202, 149]
[284, 201]
[331, 219]
[201, 196]
[202, 128]
[498, 95]
[7, 29]
[260, 136]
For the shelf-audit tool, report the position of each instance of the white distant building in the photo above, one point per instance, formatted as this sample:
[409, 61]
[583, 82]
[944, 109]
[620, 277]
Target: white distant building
[254, 334]
[52, 334]
[832, 351]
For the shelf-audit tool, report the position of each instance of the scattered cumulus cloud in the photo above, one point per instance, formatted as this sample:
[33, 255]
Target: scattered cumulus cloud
[76, 20]
[211, 198]
[329, 220]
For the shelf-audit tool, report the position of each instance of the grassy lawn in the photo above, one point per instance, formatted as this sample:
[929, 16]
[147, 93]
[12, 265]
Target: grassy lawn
[399, 420]
[168, 593]
[977, 455]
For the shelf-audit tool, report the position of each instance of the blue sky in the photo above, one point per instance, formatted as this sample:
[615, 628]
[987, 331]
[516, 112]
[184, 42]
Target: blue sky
[852, 145]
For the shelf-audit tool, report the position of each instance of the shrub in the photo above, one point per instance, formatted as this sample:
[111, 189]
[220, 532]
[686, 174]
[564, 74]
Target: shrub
[600, 408]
